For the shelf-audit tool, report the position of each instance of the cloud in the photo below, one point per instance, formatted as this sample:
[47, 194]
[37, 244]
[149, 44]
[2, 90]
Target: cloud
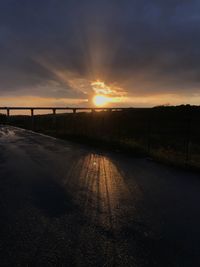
[55, 49]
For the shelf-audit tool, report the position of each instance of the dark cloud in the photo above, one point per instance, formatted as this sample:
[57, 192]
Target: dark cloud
[146, 46]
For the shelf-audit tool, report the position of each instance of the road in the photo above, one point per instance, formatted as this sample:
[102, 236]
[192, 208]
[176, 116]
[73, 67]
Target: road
[64, 204]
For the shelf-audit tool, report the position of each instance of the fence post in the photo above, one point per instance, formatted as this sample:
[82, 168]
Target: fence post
[54, 117]
[73, 131]
[188, 136]
[149, 126]
[148, 138]
[8, 115]
[32, 118]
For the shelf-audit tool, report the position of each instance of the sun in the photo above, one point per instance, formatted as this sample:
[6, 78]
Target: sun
[100, 100]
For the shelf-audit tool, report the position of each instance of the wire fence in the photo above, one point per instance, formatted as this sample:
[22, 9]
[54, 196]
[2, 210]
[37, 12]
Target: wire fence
[171, 134]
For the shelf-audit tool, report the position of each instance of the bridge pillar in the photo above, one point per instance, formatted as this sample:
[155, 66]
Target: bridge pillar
[74, 110]
[32, 112]
[54, 111]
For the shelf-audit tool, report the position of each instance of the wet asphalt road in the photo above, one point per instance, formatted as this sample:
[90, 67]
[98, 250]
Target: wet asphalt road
[63, 204]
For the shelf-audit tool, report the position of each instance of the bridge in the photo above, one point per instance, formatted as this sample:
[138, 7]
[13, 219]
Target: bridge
[54, 109]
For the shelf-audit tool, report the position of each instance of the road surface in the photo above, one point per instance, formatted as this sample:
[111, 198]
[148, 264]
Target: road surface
[63, 204]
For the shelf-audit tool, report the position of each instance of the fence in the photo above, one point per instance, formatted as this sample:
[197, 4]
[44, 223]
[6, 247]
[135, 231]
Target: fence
[168, 133]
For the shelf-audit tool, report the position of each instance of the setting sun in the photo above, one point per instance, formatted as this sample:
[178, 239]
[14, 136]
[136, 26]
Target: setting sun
[105, 94]
[100, 100]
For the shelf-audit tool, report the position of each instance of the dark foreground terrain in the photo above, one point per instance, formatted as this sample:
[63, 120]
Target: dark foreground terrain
[168, 134]
[63, 204]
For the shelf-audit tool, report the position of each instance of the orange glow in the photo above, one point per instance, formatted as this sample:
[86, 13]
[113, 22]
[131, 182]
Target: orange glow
[106, 94]
[101, 88]
[101, 100]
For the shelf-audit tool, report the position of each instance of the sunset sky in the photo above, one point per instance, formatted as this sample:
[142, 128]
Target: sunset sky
[135, 53]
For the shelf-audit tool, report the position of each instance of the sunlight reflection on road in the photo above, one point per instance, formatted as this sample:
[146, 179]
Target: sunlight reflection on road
[103, 191]
[108, 205]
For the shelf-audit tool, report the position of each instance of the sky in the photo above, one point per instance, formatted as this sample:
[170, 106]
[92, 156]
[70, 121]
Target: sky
[136, 53]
